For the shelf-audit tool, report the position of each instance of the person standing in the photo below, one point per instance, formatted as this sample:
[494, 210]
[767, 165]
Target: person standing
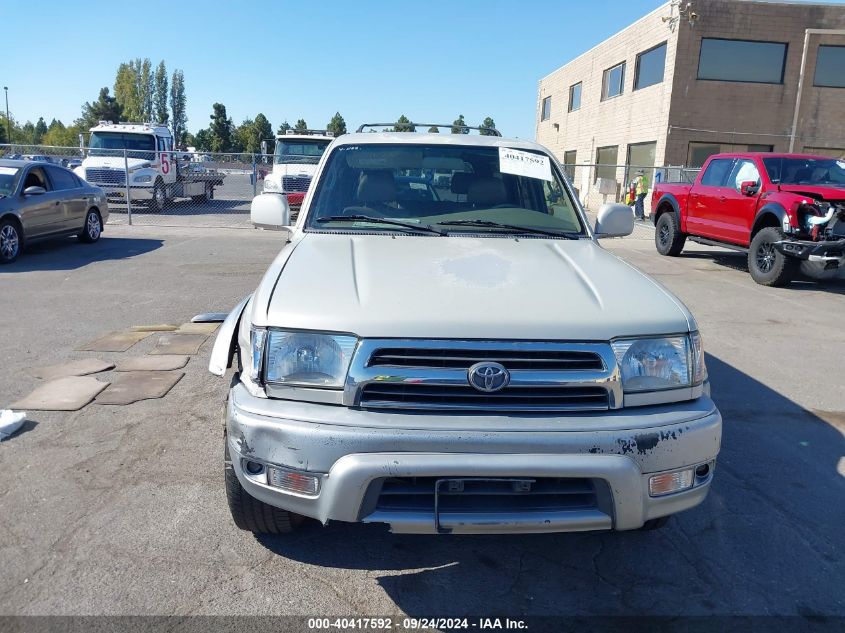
[641, 189]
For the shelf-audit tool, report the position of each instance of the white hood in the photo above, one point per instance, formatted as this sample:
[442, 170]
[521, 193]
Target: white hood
[114, 162]
[465, 287]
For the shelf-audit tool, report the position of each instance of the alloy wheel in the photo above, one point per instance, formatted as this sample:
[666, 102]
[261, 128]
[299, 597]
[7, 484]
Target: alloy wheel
[765, 257]
[664, 234]
[9, 242]
[93, 226]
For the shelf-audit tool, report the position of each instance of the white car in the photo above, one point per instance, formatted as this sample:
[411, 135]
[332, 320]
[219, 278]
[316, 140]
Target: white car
[468, 360]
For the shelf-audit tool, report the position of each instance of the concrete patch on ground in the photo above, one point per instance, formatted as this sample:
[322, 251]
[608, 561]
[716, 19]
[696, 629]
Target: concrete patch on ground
[152, 363]
[63, 394]
[163, 327]
[179, 343]
[197, 328]
[131, 386]
[114, 342]
[74, 368]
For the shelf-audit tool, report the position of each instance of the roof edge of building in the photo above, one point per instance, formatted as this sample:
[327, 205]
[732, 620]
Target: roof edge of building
[662, 7]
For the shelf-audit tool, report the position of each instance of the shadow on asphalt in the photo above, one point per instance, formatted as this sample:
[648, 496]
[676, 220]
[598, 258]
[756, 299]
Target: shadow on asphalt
[69, 253]
[767, 540]
[739, 261]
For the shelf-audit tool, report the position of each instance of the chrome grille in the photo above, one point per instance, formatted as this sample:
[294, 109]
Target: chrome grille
[295, 184]
[418, 375]
[109, 177]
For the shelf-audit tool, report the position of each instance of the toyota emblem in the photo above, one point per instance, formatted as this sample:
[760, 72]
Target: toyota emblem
[488, 377]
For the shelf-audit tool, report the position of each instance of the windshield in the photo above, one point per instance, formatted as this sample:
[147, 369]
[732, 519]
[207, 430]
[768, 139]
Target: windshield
[8, 180]
[805, 171]
[300, 151]
[113, 144]
[481, 190]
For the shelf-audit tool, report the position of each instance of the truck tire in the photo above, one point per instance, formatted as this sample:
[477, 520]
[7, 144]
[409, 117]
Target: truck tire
[655, 524]
[159, 198]
[767, 266]
[667, 235]
[249, 513]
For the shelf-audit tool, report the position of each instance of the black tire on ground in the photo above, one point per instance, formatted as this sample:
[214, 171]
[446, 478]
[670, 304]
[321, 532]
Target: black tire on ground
[655, 524]
[249, 513]
[93, 227]
[159, 198]
[767, 266]
[11, 240]
[667, 235]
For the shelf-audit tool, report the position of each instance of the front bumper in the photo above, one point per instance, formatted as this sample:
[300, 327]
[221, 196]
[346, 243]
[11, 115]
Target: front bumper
[353, 452]
[119, 193]
[827, 251]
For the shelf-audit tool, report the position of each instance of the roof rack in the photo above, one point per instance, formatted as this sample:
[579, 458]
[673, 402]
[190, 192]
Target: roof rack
[306, 132]
[493, 131]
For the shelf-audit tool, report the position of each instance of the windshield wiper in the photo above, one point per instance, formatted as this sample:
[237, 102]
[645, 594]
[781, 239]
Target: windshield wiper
[511, 227]
[376, 220]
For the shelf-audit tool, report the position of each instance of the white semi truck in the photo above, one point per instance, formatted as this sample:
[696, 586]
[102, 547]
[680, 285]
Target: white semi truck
[156, 173]
[295, 163]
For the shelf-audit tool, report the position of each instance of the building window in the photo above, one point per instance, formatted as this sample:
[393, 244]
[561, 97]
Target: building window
[606, 162]
[574, 97]
[613, 81]
[830, 67]
[742, 60]
[641, 156]
[569, 164]
[649, 68]
[547, 109]
[700, 152]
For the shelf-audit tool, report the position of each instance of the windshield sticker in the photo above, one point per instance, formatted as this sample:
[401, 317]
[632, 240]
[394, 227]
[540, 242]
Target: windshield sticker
[8, 171]
[518, 163]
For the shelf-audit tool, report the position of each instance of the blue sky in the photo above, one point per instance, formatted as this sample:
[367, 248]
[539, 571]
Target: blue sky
[372, 60]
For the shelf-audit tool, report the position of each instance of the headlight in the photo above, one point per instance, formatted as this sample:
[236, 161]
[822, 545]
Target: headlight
[272, 186]
[302, 359]
[653, 364]
[144, 178]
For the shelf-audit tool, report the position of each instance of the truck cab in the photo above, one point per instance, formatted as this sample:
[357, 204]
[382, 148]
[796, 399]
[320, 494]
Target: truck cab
[295, 162]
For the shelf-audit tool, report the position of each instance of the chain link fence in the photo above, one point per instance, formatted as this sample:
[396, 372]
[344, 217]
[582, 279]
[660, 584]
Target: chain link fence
[175, 188]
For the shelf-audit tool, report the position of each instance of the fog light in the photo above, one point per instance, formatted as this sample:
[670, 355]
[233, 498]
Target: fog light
[668, 483]
[254, 468]
[291, 481]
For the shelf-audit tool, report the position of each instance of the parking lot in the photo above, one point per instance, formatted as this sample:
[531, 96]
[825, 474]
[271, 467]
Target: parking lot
[121, 509]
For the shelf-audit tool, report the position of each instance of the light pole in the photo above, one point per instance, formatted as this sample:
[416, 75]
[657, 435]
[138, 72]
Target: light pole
[8, 120]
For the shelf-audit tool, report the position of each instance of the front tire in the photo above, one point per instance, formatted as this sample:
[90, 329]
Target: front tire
[159, 198]
[249, 513]
[11, 241]
[92, 228]
[667, 235]
[768, 266]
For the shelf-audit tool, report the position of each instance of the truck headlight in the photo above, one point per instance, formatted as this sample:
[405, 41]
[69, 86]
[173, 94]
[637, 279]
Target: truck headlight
[302, 359]
[271, 186]
[653, 364]
[142, 178]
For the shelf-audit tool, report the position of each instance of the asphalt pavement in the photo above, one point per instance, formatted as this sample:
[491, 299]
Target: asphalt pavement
[121, 510]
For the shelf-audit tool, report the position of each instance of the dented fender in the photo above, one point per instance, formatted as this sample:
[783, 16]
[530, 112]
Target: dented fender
[224, 344]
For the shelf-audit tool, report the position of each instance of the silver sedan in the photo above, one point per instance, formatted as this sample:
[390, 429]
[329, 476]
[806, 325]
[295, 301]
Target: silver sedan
[42, 200]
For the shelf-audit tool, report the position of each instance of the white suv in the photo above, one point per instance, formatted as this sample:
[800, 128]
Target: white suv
[459, 354]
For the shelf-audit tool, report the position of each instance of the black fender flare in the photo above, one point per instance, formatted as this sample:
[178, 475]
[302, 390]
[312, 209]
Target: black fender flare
[773, 209]
[673, 202]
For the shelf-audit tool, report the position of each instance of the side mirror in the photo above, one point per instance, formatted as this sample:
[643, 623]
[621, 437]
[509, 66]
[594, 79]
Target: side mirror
[748, 187]
[614, 220]
[270, 211]
[34, 191]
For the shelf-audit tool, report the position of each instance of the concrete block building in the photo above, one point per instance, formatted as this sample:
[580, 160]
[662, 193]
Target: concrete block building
[694, 78]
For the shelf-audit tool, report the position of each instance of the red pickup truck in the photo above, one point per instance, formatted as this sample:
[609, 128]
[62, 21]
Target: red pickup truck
[787, 211]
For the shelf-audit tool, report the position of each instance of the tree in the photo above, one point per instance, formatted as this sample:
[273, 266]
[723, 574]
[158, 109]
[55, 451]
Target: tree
[105, 108]
[178, 101]
[283, 128]
[59, 135]
[126, 91]
[300, 125]
[40, 131]
[145, 88]
[337, 126]
[457, 125]
[28, 133]
[202, 141]
[403, 124]
[434, 130]
[264, 132]
[490, 124]
[220, 129]
[160, 113]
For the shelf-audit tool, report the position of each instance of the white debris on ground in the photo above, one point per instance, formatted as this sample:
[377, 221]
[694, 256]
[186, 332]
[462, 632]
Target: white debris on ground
[10, 421]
